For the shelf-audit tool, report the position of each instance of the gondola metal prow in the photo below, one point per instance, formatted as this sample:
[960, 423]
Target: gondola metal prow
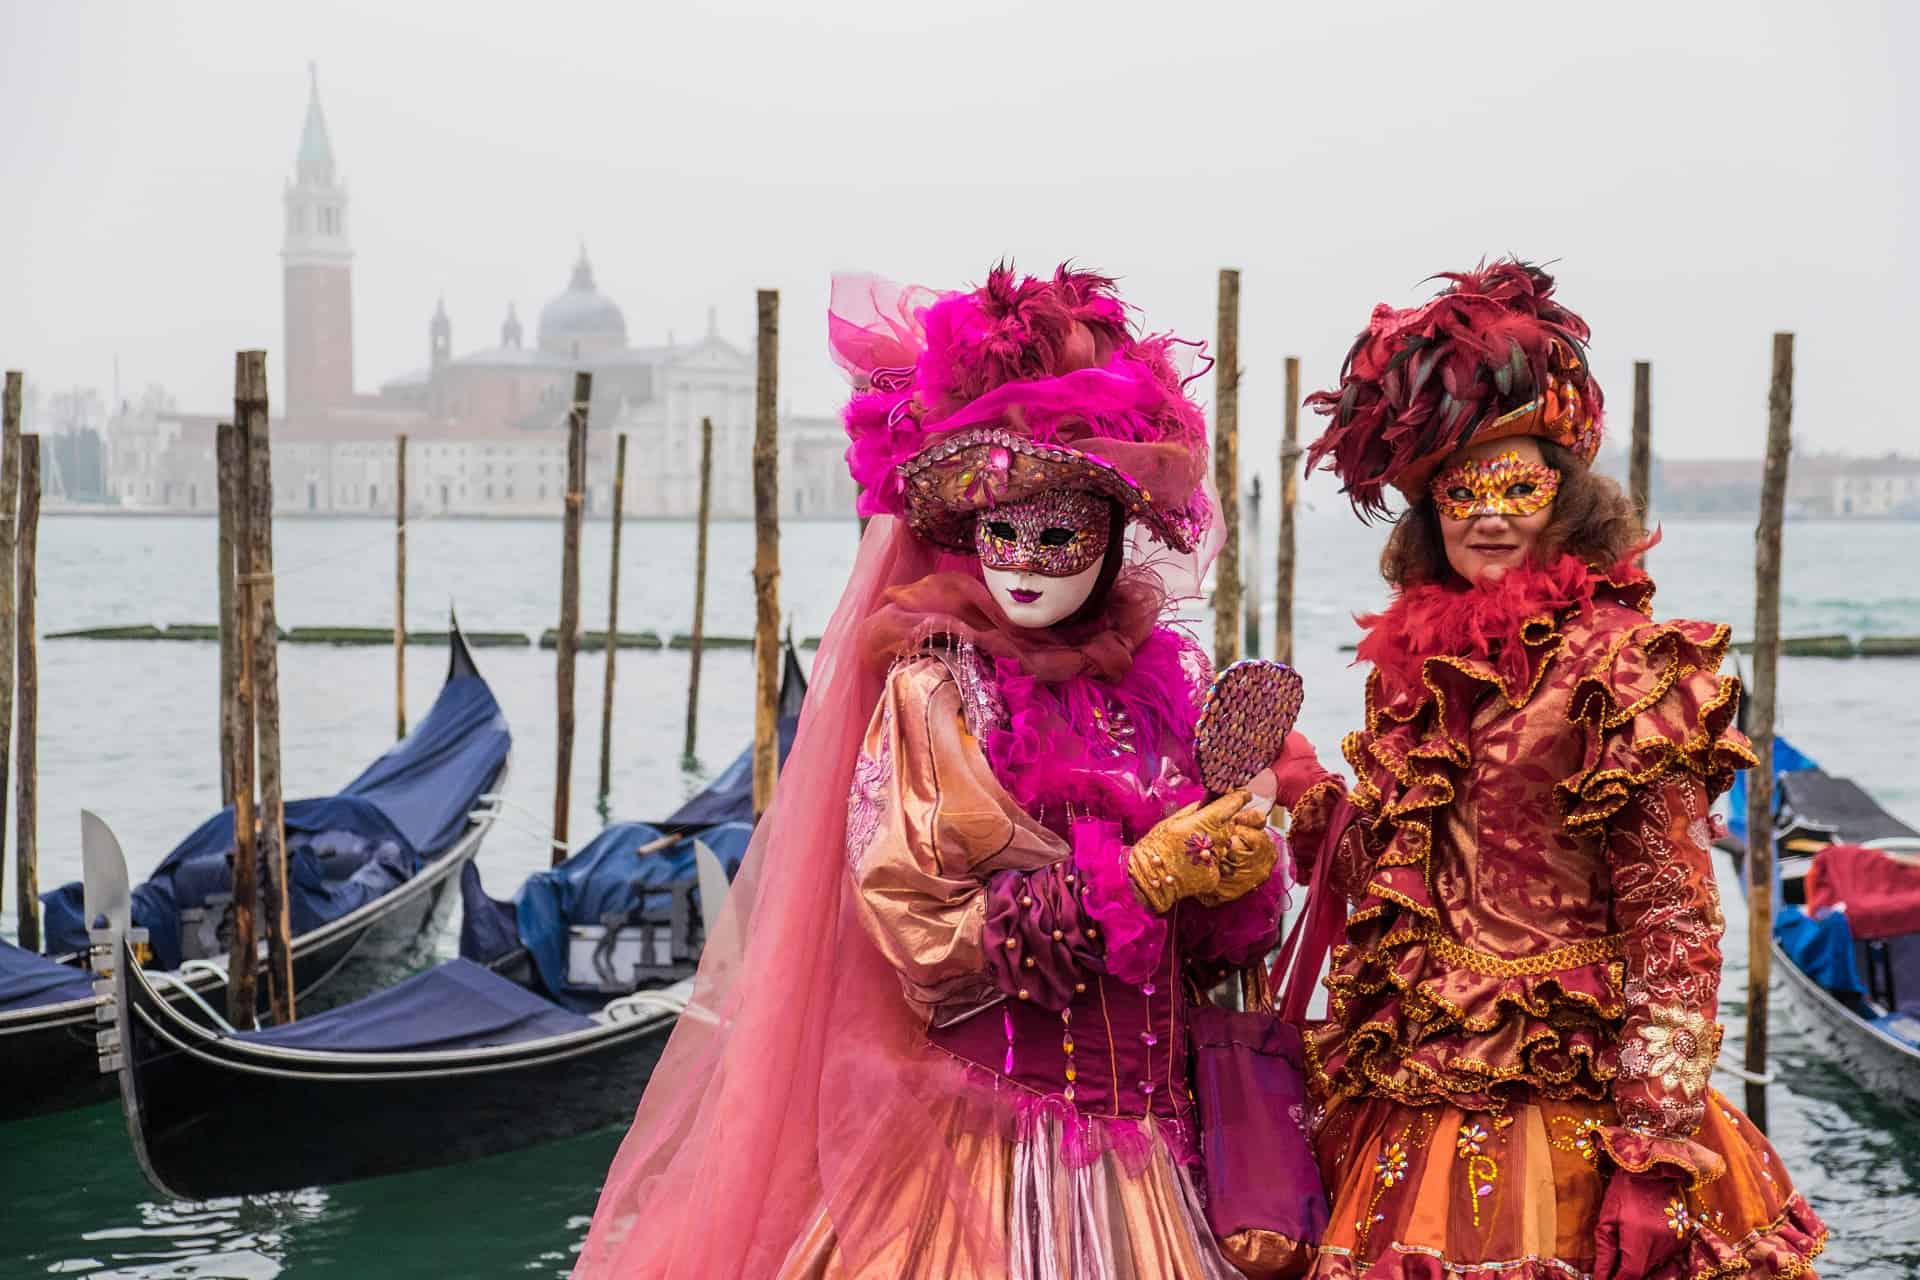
[108, 903]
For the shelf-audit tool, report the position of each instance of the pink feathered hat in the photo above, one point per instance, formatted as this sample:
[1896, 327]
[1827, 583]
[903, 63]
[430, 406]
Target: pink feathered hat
[964, 401]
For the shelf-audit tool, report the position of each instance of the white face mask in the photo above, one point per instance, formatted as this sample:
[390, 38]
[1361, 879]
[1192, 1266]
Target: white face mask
[1035, 600]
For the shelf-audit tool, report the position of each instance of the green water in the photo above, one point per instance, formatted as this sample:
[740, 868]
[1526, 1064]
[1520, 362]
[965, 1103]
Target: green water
[74, 1204]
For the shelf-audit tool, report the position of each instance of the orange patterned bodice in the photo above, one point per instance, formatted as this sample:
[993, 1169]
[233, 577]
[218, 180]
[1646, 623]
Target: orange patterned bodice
[1534, 906]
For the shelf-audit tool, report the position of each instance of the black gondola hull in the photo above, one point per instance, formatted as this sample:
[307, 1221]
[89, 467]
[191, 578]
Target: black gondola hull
[1879, 1062]
[214, 1116]
[47, 1061]
[47, 1055]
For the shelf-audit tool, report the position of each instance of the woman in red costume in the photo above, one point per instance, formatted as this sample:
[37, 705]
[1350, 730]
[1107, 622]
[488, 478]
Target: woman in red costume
[941, 1028]
[1514, 1076]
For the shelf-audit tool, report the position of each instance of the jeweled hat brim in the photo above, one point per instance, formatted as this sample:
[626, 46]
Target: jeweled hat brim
[949, 482]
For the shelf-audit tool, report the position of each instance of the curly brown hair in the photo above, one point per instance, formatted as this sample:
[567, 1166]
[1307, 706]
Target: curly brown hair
[1592, 519]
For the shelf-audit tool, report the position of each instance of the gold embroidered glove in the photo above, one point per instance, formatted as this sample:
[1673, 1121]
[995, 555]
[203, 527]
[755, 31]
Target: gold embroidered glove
[1247, 860]
[1180, 857]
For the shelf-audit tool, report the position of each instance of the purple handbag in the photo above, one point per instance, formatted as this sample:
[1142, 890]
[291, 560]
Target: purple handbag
[1265, 1201]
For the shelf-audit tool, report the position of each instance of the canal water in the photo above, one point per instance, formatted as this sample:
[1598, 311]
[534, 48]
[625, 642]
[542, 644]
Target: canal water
[128, 730]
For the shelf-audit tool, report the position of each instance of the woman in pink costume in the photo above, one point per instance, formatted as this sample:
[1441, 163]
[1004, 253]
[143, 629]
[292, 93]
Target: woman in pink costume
[940, 1030]
[1515, 1073]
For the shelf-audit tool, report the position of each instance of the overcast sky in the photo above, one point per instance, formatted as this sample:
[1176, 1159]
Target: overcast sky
[1705, 173]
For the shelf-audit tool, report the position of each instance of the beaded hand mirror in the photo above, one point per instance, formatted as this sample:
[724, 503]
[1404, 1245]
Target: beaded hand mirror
[1250, 709]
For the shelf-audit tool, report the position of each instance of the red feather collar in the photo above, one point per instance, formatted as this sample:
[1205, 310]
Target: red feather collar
[1486, 623]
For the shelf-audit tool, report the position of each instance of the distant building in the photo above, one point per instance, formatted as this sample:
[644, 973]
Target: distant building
[1818, 485]
[486, 429]
[1888, 486]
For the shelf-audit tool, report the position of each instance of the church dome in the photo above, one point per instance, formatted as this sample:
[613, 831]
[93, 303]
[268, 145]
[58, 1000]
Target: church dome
[582, 319]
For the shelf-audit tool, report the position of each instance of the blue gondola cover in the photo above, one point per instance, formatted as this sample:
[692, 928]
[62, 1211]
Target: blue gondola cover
[28, 979]
[459, 1005]
[602, 878]
[344, 850]
[1821, 947]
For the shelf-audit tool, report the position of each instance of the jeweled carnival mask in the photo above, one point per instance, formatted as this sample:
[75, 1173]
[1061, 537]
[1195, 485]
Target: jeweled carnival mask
[1056, 534]
[1503, 485]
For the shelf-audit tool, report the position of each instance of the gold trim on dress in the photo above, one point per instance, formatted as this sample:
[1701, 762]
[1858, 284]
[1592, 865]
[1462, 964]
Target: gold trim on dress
[1574, 956]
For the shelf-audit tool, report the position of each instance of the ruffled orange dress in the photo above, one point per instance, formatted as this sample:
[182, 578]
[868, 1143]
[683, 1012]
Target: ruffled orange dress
[1524, 1006]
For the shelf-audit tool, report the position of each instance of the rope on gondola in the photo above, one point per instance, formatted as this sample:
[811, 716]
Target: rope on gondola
[162, 978]
[502, 805]
[637, 1003]
[1750, 1077]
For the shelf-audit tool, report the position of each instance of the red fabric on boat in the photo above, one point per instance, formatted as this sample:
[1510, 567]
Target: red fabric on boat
[1881, 893]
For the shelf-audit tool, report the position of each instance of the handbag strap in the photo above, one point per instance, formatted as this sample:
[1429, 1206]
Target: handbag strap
[1296, 971]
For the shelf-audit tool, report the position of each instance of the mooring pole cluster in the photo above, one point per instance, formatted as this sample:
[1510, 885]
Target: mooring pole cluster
[699, 637]
[26, 766]
[567, 641]
[1226, 472]
[766, 552]
[1640, 448]
[613, 629]
[250, 703]
[11, 445]
[1289, 494]
[28, 916]
[1766, 667]
[400, 585]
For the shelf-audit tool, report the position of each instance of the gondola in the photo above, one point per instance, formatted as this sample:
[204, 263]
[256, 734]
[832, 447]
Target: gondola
[372, 867]
[1846, 937]
[491, 1052]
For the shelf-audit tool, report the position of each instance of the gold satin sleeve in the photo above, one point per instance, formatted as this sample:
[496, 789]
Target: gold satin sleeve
[927, 825]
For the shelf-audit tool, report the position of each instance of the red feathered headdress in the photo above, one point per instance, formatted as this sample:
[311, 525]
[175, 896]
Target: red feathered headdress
[963, 401]
[1492, 356]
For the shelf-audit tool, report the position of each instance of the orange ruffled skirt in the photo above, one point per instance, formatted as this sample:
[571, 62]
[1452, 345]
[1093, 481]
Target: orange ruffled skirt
[1437, 1193]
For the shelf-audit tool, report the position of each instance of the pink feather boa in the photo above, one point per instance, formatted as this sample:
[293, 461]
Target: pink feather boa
[1060, 757]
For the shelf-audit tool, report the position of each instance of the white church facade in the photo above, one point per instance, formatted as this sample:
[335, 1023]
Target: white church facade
[486, 430]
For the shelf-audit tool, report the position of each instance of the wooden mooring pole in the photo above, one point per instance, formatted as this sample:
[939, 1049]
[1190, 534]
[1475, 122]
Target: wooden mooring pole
[250, 407]
[9, 510]
[568, 639]
[699, 589]
[236, 621]
[400, 585]
[225, 442]
[766, 553]
[1250, 631]
[1289, 494]
[26, 773]
[613, 628]
[1766, 662]
[1226, 473]
[1640, 459]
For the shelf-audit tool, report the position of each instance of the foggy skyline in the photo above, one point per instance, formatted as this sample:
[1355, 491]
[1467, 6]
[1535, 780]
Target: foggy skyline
[1704, 175]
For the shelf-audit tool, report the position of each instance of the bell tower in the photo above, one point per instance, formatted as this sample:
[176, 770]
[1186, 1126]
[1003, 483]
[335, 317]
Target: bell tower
[317, 272]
